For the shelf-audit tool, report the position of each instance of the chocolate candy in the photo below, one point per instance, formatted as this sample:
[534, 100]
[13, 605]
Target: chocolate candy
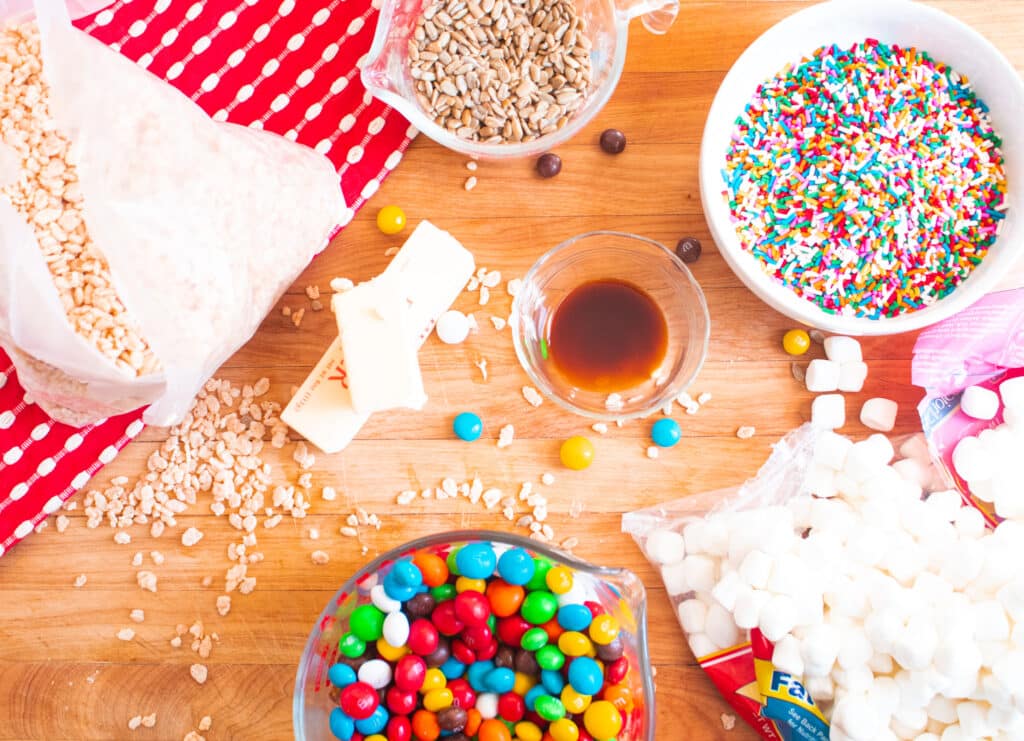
[526, 662]
[452, 719]
[688, 250]
[613, 141]
[421, 605]
[549, 165]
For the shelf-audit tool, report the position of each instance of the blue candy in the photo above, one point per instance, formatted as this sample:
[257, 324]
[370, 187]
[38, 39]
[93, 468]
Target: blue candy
[575, 617]
[516, 566]
[342, 726]
[585, 676]
[477, 672]
[476, 560]
[500, 680]
[341, 675]
[407, 573]
[665, 433]
[467, 426]
[452, 668]
[395, 589]
[375, 723]
[531, 697]
[552, 682]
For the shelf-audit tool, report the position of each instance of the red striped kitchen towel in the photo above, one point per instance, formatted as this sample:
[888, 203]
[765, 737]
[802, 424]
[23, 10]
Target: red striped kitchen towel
[282, 65]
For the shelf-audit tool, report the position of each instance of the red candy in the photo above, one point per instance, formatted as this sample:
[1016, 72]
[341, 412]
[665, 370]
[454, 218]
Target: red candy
[401, 702]
[410, 672]
[487, 651]
[584, 736]
[472, 608]
[511, 629]
[446, 620]
[423, 637]
[464, 695]
[477, 637]
[511, 707]
[595, 610]
[462, 652]
[359, 700]
[616, 671]
[399, 728]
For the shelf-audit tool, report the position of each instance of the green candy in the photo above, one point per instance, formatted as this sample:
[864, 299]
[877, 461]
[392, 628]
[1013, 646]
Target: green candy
[534, 639]
[352, 646]
[367, 622]
[549, 708]
[541, 567]
[492, 623]
[550, 657]
[539, 607]
[443, 592]
[451, 561]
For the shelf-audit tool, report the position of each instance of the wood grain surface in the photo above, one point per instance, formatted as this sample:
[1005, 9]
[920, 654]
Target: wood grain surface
[64, 674]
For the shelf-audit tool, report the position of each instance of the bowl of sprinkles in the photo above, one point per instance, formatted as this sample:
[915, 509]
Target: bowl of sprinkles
[857, 166]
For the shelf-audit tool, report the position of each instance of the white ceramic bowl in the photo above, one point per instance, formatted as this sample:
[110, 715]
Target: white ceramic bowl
[845, 22]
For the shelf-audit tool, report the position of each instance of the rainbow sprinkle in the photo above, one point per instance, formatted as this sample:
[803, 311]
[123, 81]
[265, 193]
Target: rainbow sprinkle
[869, 180]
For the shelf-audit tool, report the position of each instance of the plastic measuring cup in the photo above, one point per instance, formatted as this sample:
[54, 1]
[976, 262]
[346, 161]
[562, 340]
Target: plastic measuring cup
[619, 592]
[386, 71]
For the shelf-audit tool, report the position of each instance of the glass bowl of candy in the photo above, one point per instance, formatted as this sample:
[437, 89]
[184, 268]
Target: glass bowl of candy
[881, 221]
[478, 635]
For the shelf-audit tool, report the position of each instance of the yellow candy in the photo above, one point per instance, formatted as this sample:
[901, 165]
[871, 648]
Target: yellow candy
[436, 700]
[573, 643]
[796, 342]
[465, 584]
[604, 629]
[528, 731]
[602, 720]
[574, 702]
[564, 729]
[389, 652]
[559, 579]
[577, 453]
[524, 683]
[376, 737]
[391, 219]
[433, 680]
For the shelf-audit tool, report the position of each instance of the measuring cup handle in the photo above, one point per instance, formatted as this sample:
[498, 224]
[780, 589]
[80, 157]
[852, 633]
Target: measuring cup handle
[656, 15]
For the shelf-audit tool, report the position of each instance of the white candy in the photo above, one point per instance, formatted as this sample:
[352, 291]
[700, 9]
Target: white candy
[828, 411]
[381, 600]
[786, 657]
[720, 627]
[674, 577]
[701, 645]
[376, 673]
[756, 569]
[979, 403]
[665, 547]
[693, 615]
[852, 376]
[879, 414]
[487, 704]
[396, 629]
[727, 590]
[822, 375]
[700, 573]
[1012, 393]
[843, 349]
[452, 327]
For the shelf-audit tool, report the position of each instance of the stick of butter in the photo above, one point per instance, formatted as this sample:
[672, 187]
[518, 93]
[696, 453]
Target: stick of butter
[434, 269]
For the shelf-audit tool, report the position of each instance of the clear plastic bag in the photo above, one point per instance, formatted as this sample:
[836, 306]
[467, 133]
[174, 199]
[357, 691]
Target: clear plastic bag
[203, 224]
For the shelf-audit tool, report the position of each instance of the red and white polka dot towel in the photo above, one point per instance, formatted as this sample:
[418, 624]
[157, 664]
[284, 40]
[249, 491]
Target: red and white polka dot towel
[282, 65]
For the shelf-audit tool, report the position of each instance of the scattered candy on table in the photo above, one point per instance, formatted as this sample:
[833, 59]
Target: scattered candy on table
[577, 453]
[822, 376]
[665, 433]
[467, 426]
[613, 141]
[879, 414]
[484, 643]
[829, 411]
[391, 219]
[796, 342]
[549, 165]
[452, 327]
[688, 250]
[868, 180]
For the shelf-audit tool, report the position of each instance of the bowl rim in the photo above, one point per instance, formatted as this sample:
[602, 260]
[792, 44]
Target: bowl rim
[609, 416]
[607, 573]
[779, 297]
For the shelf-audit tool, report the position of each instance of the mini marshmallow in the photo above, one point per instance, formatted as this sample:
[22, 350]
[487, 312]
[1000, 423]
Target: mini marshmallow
[959, 659]
[819, 649]
[828, 411]
[879, 414]
[969, 523]
[854, 649]
[821, 689]
[856, 716]
[843, 349]
[942, 709]
[1011, 597]
[696, 536]
[867, 457]
[1009, 670]
[852, 376]
[915, 471]
[990, 621]
[979, 403]
[778, 617]
[831, 449]
[693, 615]
[972, 460]
[962, 563]
[880, 663]
[720, 627]
[857, 679]
[727, 589]
[788, 575]
[916, 647]
[913, 721]
[748, 608]
[1012, 393]
[756, 569]
[820, 481]
[822, 376]
[786, 657]
[701, 645]
[946, 504]
[700, 573]
[665, 547]
[674, 577]
[973, 717]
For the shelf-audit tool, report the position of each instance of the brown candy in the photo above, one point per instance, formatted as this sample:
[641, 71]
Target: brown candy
[440, 655]
[613, 141]
[549, 165]
[452, 719]
[420, 606]
[526, 662]
[688, 249]
[505, 658]
[610, 651]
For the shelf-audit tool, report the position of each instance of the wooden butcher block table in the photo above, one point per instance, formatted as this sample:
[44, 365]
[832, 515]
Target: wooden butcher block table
[65, 675]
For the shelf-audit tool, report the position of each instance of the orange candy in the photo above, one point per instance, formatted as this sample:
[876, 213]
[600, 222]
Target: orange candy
[494, 730]
[473, 721]
[505, 598]
[620, 696]
[424, 726]
[553, 629]
[433, 568]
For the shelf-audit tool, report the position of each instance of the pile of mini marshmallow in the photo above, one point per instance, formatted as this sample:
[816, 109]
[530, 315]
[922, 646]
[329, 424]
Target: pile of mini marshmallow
[901, 611]
[843, 369]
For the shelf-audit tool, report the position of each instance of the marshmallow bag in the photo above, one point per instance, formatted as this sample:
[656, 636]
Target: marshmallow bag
[203, 224]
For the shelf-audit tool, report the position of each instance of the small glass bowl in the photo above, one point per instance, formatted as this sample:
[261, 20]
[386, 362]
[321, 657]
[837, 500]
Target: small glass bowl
[619, 592]
[612, 255]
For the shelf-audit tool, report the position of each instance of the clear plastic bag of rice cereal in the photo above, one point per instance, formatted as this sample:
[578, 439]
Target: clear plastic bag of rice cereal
[782, 520]
[143, 242]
